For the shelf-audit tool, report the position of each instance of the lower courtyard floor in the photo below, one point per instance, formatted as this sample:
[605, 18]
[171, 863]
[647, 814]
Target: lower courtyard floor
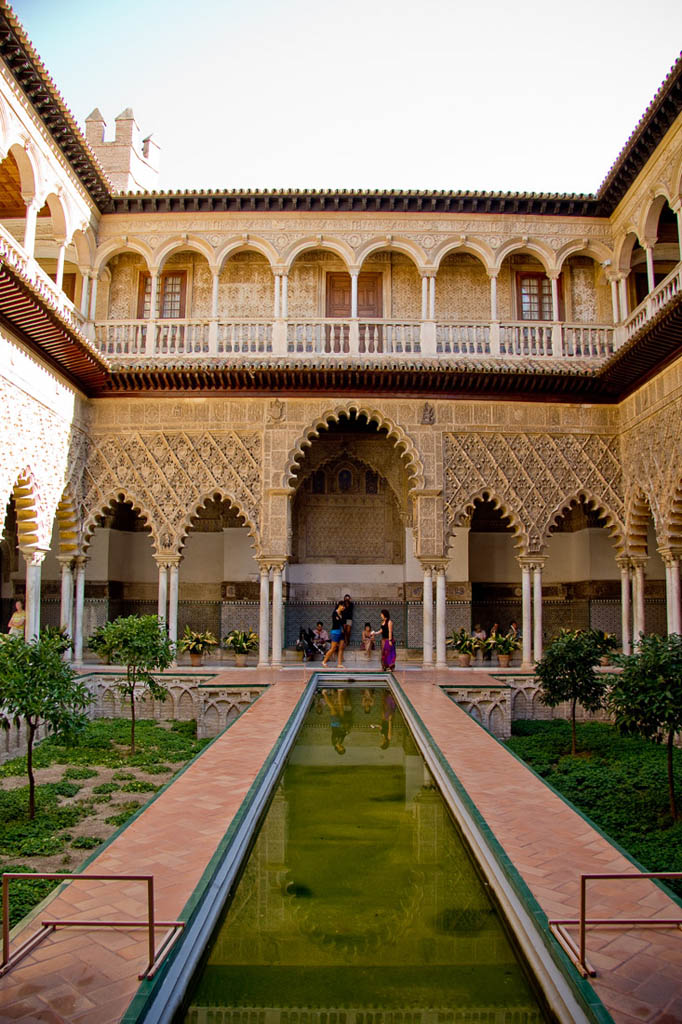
[91, 975]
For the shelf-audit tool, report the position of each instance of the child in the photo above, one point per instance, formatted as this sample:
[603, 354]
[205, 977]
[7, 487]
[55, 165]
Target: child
[367, 640]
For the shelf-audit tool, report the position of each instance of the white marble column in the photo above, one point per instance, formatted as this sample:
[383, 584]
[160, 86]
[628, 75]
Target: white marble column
[537, 611]
[432, 297]
[162, 611]
[151, 323]
[79, 608]
[285, 296]
[614, 300]
[526, 635]
[493, 295]
[425, 297]
[677, 207]
[264, 616]
[34, 561]
[672, 589]
[93, 298]
[441, 651]
[625, 610]
[555, 297]
[354, 294]
[277, 616]
[651, 281]
[173, 593]
[623, 296]
[59, 276]
[277, 296]
[427, 635]
[30, 225]
[638, 615]
[66, 603]
[85, 293]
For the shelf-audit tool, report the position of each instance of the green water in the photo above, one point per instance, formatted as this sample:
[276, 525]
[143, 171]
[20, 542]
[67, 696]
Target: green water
[359, 895]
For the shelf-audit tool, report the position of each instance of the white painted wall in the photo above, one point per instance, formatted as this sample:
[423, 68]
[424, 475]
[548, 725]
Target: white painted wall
[458, 553]
[238, 558]
[130, 558]
[492, 558]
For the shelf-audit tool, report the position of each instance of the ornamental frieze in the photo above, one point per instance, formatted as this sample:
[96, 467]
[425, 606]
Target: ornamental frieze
[532, 477]
[168, 475]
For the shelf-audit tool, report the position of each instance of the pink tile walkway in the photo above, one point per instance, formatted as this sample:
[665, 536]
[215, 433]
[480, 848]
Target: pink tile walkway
[90, 976]
[639, 971]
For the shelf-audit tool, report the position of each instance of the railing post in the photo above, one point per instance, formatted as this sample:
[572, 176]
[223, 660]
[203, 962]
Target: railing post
[427, 338]
[583, 888]
[150, 917]
[5, 920]
[495, 338]
[279, 338]
[353, 338]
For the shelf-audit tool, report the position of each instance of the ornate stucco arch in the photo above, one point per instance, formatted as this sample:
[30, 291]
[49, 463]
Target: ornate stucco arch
[123, 495]
[461, 515]
[330, 243]
[222, 495]
[408, 451]
[638, 510]
[68, 523]
[612, 524]
[531, 246]
[246, 243]
[26, 500]
[473, 247]
[363, 459]
[125, 245]
[671, 528]
[394, 243]
[183, 243]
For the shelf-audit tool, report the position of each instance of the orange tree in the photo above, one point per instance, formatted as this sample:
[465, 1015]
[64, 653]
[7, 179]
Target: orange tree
[38, 686]
[646, 698]
[566, 673]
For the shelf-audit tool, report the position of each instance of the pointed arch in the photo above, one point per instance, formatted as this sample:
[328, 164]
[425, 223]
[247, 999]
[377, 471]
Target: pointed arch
[331, 244]
[612, 524]
[68, 524]
[123, 496]
[462, 516]
[394, 244]
[217, 494]
[401, 440]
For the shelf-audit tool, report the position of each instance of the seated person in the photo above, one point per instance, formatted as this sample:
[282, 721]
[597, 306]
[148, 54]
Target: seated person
[321, 637]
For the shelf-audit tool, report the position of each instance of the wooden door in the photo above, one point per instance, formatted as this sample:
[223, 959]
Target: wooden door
[370, 304]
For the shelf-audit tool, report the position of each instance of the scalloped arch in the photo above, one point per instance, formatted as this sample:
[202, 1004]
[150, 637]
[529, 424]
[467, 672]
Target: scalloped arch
[672, 532]
[352, 458]
[612, 524]
[396, 244]
[25, 494]
[413, 463]
[481, 250]
[252, 244]
[531, 246]
[122, 495]
[67, 521]
[331, 244]
[224, 495]
[638, 513]
[463, 514]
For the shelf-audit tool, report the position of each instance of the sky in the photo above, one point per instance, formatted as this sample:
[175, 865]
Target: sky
[532, 95]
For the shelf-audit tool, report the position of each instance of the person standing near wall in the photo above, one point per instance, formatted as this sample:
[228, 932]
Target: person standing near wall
[336, 635]
[347, 619]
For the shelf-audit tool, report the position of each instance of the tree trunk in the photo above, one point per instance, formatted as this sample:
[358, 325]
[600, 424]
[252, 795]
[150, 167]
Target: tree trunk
[574, 745]
[29, 769]
[671, 777]
[132, 714]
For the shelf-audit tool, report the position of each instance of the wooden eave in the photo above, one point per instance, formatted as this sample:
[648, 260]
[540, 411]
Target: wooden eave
[30, 73]
[25, 315]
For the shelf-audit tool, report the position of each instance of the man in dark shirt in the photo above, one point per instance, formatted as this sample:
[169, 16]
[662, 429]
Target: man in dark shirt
[347, 618]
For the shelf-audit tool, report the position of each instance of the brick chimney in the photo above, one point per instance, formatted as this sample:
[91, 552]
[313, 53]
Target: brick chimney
[130, 162]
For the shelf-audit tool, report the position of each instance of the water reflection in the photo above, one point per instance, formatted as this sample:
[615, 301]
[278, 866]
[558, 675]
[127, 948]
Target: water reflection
[358, 895]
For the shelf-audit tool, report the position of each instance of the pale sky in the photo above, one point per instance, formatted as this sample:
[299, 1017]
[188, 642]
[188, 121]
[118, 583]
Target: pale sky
[533, 95]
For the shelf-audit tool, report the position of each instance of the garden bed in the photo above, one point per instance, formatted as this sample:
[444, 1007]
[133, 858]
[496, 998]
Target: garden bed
[619, 782]
[84, 793]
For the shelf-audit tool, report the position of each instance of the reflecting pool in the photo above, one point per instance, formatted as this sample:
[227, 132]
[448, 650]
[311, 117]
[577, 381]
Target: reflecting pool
[359, 896]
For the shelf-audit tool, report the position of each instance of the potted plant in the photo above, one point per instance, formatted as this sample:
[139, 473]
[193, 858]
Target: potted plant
[504, 646]
[464, 644]
[241, 642]
[197, 644]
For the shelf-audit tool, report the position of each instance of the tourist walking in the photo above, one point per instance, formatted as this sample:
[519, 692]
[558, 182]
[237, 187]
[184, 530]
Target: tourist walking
[336, 635]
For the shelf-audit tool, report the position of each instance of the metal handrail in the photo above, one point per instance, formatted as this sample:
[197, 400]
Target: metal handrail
[577, 953]
[155, 955]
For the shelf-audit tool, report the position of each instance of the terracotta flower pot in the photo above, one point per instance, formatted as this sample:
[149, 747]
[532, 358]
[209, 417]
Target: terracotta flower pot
[503, 660]
[240, 660]
[196, 659]
[464, 660]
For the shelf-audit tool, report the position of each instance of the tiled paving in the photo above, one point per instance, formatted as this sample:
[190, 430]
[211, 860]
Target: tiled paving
[639, 971]
[91, 976]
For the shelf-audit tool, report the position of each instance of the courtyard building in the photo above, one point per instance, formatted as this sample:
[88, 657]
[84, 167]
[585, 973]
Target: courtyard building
[231, 408]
